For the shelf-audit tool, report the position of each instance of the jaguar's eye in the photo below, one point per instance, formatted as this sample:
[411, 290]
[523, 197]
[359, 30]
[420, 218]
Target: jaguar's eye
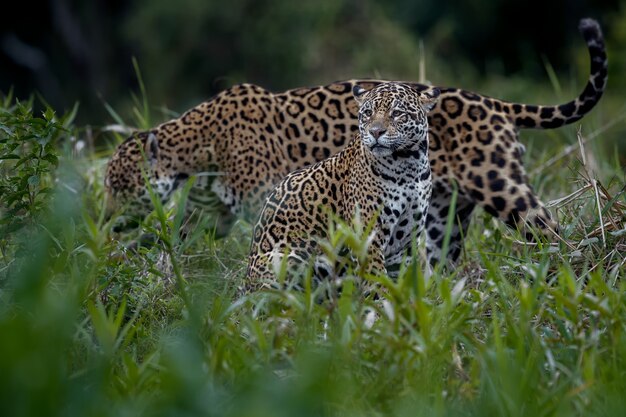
[366, 113]
[396, 113]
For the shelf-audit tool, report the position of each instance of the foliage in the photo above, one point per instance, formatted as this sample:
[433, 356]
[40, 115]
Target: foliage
[276, 43]
[28, 159]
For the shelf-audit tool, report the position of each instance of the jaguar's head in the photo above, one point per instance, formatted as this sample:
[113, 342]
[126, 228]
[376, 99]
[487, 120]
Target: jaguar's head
[137, 159]
[393, 117]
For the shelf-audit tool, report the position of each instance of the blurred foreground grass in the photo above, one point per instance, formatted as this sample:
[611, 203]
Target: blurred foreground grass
[90, 328]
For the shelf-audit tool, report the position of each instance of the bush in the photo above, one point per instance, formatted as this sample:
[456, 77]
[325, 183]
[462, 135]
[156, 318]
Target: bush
[28, 160]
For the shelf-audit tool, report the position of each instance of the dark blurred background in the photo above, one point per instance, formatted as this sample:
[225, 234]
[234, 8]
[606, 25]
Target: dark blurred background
[187, 50]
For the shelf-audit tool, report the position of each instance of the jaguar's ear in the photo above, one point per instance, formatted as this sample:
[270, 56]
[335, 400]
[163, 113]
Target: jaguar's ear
[151, 149]
[359, 93]
[429, 97]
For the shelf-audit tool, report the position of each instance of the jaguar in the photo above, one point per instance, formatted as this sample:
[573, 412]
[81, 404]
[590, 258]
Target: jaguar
[382, 176]
[244, 140]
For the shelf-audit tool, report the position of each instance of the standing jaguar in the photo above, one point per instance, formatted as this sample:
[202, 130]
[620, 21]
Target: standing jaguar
[383, 174]
[250, 138]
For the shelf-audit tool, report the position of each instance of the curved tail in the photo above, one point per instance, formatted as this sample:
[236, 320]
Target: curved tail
[548, 117]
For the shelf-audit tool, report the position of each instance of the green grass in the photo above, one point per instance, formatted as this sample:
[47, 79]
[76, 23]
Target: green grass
[88, 327]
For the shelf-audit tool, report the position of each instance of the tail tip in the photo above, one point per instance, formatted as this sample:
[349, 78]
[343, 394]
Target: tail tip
[590, 28]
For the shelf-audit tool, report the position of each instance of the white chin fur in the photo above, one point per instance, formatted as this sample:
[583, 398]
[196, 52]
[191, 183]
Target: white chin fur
[381, 151]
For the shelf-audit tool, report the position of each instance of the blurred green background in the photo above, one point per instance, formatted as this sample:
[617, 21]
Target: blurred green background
[187, 50]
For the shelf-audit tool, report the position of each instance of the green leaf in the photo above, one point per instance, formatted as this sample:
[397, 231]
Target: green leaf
[6, 130]
[33, 180]
[24, 159]
[53, 159]
[48, 114]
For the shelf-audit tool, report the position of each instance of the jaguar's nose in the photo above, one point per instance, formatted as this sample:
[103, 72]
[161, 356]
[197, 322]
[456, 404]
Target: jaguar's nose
[377, 131]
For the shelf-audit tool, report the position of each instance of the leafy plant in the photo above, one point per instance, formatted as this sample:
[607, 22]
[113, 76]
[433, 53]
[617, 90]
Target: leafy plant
[28, 158]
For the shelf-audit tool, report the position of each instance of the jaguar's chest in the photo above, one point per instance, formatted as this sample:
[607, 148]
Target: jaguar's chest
[404, 210]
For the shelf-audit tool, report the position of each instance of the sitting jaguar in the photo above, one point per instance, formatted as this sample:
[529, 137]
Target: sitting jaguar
[383, 174]
[250, 138]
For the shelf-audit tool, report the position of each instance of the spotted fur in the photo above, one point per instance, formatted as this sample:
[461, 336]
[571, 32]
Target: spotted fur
[383, 175]
[252, 138]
